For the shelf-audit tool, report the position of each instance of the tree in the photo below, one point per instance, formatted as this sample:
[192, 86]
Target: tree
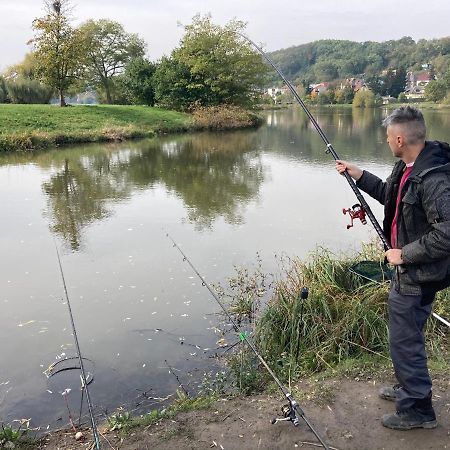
[108, 49]
[57, 48]
[364, 99]
[213, 65]
[344, 95]
[138, 81]
[394, 82]
[435, 91]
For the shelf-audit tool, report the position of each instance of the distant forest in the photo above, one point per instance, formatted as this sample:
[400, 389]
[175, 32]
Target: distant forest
[328, 60]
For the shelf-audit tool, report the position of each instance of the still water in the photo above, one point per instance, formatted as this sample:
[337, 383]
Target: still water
[224, 197]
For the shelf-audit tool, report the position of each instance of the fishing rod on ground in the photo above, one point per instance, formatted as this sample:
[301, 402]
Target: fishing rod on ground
[85, 382]
[293, 412]
[358, 211]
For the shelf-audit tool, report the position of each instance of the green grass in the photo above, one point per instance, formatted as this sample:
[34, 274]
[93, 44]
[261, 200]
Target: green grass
[27, 127]
[123, 422]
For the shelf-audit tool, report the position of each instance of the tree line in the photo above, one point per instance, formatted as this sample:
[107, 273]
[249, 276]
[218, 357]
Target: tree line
[383, 65]
[211, 66]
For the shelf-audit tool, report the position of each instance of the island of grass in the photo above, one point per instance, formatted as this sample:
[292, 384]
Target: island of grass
[32, 127]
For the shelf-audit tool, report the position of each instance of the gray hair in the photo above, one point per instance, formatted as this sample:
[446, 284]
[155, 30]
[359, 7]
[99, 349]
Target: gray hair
[412, 123]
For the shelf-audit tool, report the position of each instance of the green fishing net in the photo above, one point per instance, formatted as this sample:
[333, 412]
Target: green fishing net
[373, 271]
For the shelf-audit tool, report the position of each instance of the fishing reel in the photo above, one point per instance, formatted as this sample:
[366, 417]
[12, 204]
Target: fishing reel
[355, 212]
[288, 416]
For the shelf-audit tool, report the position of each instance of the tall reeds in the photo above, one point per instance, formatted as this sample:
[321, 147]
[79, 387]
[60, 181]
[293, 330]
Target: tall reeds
[345, 317]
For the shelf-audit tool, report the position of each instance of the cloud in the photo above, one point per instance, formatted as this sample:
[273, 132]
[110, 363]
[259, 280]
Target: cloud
[278, 25]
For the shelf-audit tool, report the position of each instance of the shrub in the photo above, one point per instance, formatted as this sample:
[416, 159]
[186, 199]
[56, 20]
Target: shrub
[3, 91]
[28, 91]
[223, 117]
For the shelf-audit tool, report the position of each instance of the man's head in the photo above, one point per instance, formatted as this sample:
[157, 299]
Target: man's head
[405, 130]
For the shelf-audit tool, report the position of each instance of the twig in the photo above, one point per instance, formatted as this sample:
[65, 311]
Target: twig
[317, 445]
[106, 439]
[226, 417]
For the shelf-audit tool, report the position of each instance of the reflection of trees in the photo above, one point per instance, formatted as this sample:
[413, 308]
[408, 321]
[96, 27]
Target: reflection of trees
[354, 132]
[214, 175]
[77, 196]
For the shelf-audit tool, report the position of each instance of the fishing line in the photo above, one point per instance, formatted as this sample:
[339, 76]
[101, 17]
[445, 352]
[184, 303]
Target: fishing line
[295, 411]
[80, 358]
[357, 211]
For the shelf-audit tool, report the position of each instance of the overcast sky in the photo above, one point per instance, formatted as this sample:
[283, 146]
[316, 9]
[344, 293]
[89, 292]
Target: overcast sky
[275, 24]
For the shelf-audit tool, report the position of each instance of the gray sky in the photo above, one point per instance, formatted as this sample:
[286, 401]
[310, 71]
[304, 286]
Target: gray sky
[275, 24]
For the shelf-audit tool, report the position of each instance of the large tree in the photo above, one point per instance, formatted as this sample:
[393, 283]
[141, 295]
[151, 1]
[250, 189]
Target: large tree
[108, 49]
[56, 47]
[213, 65]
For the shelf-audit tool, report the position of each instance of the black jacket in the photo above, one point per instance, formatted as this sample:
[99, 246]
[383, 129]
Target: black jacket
[423, 225]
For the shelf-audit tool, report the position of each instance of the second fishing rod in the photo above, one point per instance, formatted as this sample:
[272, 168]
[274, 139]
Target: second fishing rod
[292, 413]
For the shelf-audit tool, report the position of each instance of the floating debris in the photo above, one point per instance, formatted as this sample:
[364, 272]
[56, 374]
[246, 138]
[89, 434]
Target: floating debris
[26, 323]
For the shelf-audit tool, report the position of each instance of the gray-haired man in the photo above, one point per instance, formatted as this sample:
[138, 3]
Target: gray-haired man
[416, 199]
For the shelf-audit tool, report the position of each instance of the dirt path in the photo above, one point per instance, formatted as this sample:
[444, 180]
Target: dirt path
[347, 416]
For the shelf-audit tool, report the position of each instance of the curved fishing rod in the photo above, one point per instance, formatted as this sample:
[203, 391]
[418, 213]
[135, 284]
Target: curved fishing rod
[295, 412]
[80, 358]
[357, 211]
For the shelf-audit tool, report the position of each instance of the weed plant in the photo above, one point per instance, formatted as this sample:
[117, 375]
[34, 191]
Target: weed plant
[345, 317]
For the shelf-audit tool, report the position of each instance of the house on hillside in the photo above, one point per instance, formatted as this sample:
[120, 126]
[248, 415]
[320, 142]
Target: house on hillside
[416, 83]
[274, 93]
[355, 83]
[319, 88]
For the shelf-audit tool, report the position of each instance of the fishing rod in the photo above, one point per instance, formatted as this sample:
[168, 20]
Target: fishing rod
[85, 382]
[357, 211]
[293, 412]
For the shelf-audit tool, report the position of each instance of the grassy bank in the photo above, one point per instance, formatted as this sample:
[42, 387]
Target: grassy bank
[30, 127]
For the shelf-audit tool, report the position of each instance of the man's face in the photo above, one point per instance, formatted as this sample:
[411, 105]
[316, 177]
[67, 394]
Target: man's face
[395, 140]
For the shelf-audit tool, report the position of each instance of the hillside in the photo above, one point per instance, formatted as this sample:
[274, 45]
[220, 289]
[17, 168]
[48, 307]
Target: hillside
[327, 60]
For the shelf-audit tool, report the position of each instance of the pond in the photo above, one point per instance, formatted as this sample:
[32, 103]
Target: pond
[226, 198]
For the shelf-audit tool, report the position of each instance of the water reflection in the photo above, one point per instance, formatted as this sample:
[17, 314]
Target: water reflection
[214, 175]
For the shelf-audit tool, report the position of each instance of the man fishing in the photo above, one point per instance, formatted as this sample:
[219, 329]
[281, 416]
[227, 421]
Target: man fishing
[416, 199]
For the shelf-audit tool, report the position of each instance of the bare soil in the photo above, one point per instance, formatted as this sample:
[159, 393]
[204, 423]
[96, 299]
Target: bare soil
[346, 412]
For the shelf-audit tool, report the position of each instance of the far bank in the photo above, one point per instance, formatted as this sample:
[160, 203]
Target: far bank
[35, 127]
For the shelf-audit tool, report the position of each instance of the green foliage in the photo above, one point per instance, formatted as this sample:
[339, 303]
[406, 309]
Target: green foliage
[14, 438]
[344, 95]
[326, 60]
[342, 318]
[28, 91]
[138, 82]
[57, 48]
[364, 99]
[107, 48]
[435, 90]
[120, 420]
[3, 91]
[247, 375]
[213, 65]
[28, 68]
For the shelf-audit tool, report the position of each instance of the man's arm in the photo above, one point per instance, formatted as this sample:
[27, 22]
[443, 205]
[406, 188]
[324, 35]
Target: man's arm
[434, 245]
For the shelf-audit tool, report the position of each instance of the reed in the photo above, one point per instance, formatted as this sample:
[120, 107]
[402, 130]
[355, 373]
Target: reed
[344, 317]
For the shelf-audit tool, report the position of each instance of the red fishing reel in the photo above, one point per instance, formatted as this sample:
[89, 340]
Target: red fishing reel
[355, 212]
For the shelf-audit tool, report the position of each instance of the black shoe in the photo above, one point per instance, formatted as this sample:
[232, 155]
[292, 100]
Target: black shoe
[409, 419]
[389, 392]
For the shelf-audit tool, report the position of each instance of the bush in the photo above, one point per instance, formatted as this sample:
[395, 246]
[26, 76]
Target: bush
[3, 91]
[223, 117]
[28, 92]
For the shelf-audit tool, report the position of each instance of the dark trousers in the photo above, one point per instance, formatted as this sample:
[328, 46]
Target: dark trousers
[407, 317]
